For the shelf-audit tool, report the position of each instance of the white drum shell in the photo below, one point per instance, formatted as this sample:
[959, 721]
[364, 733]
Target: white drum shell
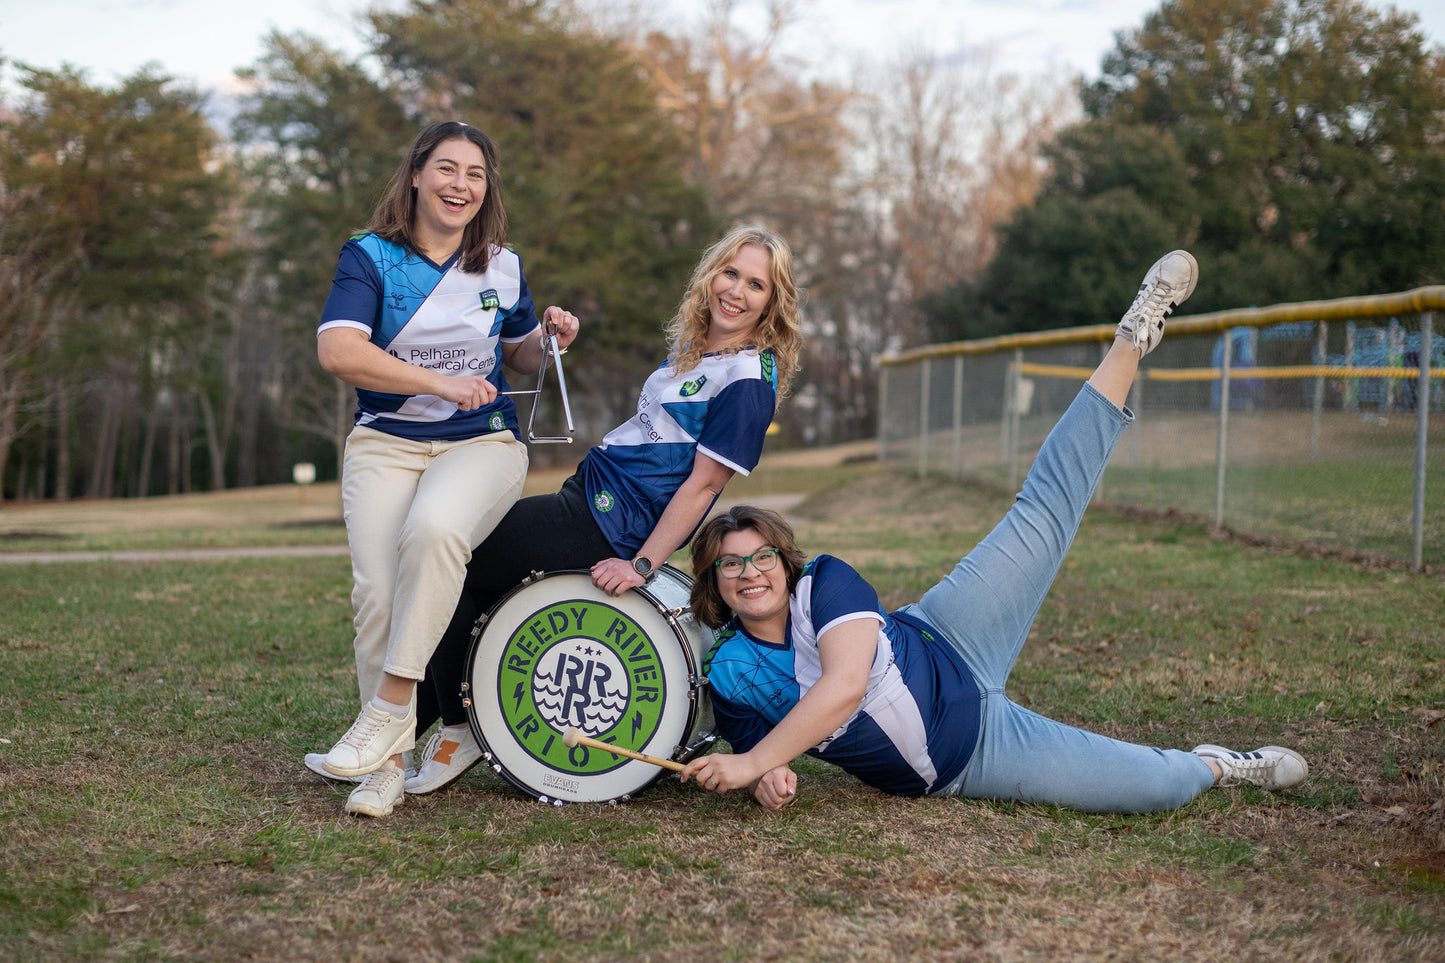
[559, 652]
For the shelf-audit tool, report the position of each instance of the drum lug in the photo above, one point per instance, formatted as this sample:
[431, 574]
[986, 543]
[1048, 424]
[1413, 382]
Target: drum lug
[703, 744]
[532, 577]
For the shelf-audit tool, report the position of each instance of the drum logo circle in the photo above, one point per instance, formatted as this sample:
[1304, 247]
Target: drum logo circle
[584, 664]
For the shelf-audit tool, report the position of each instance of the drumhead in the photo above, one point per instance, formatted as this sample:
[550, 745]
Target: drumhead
[558, 653]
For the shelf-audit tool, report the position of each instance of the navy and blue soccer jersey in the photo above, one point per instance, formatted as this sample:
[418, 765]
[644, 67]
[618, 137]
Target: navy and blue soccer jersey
[721, 408]
[916, 726]
[433, 316]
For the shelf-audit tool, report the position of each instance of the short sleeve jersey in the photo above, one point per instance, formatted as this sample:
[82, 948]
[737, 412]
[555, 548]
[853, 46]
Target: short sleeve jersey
[916, 726]
[721, 408]
[433, 316]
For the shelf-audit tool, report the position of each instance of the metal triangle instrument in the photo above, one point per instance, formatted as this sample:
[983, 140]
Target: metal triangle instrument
[551, 356]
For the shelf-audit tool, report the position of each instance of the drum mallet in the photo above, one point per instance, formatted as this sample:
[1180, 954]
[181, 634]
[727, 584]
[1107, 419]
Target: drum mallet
[572, 738]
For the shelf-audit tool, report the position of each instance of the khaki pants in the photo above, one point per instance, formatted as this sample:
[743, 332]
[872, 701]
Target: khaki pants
[415, 510]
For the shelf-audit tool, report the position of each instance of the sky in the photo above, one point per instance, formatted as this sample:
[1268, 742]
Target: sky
[204, 41]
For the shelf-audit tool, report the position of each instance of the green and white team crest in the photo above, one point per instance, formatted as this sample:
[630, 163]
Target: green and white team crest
[498, 423]
[690, 388]
[604, 501]
[585, 664]
[489, 299]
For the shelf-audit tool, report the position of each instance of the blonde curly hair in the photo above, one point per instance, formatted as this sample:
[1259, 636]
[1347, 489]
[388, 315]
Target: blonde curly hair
[780, 328]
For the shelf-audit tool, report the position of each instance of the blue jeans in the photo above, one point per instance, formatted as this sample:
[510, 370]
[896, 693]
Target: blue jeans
[986, 606]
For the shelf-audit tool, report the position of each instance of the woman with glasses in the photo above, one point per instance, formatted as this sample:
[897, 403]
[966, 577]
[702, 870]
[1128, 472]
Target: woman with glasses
[912, 702]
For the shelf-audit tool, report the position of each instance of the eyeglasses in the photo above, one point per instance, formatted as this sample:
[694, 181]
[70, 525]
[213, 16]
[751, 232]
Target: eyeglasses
[764, 560]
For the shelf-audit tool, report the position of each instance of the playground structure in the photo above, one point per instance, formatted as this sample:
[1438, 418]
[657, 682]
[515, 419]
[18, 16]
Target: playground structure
[1306, 422]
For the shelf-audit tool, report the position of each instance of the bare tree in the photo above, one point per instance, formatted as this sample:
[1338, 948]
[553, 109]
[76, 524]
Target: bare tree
[887, 191]
[765, 142]
[953, 149]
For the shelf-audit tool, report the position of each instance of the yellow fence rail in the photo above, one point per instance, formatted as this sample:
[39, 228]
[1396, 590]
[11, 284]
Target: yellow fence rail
[1306, 407]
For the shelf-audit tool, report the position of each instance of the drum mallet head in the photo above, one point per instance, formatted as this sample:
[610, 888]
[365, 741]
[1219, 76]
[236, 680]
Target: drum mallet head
[573, 737]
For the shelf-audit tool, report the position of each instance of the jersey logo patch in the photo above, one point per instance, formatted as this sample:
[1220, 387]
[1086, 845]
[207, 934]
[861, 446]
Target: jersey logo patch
[604, 501]
[690, 388]
[489, 299]
[497, 422]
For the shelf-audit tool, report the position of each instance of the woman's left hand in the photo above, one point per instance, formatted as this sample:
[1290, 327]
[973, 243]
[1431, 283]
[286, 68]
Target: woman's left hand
[563, 325]
[719, 772]
[776, 788]
[615, 576]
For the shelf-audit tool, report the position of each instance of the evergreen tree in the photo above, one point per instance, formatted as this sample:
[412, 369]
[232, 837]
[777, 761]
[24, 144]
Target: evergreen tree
[319, 136]
[1294, 145]
[129, 197]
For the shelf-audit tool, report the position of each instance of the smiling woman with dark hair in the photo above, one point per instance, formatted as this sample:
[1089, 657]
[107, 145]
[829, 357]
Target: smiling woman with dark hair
[426, 307]
[912, 702]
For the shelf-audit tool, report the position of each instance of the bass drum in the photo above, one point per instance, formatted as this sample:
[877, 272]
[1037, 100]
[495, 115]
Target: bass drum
[559, 653]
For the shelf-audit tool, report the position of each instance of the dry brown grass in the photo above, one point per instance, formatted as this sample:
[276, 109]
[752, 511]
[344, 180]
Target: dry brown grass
[191, 836]
[846, 874]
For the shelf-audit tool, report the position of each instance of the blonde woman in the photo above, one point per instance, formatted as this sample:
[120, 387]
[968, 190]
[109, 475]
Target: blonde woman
[639, 495]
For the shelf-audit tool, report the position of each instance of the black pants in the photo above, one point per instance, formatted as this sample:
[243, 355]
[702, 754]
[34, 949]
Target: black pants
[543, 533]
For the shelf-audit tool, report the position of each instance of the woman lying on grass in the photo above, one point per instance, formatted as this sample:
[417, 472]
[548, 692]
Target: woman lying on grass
[912, 702]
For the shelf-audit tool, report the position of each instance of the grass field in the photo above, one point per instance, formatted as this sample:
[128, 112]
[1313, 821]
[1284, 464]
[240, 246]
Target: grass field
[1345, 485]
[153, 804]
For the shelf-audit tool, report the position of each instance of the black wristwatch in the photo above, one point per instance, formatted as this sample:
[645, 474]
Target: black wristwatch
[642, 565]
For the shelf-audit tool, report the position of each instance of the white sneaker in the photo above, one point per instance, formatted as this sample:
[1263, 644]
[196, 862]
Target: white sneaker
[378, 793]
[449, 753]
[1271, 767]
[374, 737]
[315, 762]
[1167, 285]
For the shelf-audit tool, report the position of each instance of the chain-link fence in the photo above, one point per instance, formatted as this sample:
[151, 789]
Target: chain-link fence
[1305, 422]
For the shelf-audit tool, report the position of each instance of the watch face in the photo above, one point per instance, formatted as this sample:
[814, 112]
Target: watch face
[641, 565]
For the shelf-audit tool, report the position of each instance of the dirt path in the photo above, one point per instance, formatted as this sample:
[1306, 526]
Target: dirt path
[279, 506]
[781, 503]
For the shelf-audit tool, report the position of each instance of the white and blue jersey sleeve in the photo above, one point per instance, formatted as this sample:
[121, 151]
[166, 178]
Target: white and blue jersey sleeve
[722, 408]
[432, 316]
[916, 726]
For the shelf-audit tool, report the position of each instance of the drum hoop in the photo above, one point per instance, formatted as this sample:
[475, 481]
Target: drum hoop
[695, 680]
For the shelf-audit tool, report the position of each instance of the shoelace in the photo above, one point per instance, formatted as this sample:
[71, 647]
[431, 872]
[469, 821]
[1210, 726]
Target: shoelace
[381, 779]
[1157, 298]
[431, 748]
[1241, 767]
[365, 728]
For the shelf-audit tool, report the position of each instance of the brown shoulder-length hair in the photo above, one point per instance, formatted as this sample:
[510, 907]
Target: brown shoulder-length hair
[780, 329]
[394, 218]
[707, 604]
